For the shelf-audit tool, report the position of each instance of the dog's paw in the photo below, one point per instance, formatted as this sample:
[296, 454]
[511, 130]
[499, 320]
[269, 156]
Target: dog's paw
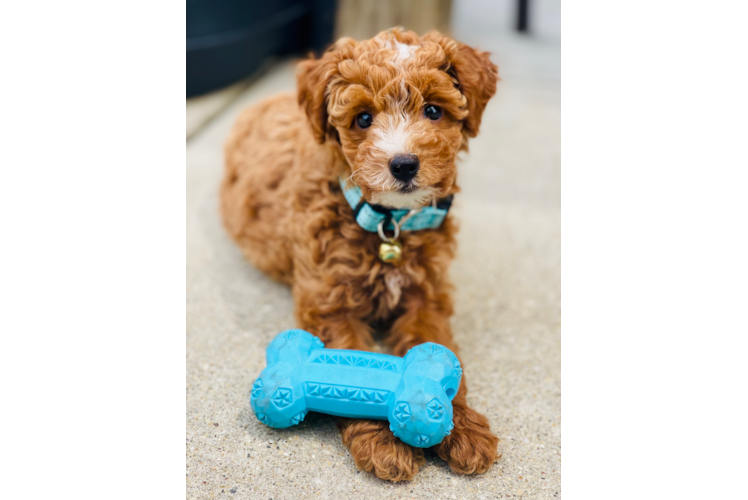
[471, 448]
[375, 449]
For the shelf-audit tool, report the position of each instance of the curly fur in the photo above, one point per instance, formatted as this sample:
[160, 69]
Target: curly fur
[282, 204]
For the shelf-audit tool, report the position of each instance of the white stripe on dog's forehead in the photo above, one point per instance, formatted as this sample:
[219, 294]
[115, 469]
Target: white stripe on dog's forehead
[403, 51]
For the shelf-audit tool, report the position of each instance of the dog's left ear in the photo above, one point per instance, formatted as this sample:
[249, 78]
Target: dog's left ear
[475, 74]
[313, 77]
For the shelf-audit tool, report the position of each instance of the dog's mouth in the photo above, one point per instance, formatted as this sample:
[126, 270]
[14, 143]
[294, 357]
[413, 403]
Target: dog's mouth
[408, 196]
[408, 188]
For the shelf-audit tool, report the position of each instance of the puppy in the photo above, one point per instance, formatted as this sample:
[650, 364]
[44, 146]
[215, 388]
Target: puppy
[312, 190]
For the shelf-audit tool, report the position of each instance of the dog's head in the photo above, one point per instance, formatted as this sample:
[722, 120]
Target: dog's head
[400, 107]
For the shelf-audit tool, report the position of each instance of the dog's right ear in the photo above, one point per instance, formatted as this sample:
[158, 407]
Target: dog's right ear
[313, 77]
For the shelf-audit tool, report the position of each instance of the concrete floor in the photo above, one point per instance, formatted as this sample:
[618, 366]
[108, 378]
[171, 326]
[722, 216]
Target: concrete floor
[507, 320]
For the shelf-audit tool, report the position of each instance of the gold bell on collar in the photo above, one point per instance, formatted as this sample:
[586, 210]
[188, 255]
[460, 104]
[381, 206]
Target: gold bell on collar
[391, 252]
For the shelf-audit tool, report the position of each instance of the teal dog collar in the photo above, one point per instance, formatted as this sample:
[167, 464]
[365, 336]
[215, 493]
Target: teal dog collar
[369, 217]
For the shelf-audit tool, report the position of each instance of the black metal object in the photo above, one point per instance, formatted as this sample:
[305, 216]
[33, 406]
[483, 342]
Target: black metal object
[523, 15]
[228, 40]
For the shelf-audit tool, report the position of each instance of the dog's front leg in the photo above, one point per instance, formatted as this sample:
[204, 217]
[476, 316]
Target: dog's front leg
[372, 445]
[375, 449]
[472, 447]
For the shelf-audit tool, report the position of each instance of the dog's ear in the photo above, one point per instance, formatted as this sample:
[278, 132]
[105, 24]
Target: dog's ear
[313, 77]
[474, 75]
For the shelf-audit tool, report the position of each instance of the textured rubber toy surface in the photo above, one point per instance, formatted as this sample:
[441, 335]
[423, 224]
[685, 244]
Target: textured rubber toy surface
[414, 393]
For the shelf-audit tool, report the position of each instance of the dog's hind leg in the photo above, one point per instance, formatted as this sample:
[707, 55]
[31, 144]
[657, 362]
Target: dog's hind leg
[259, 154]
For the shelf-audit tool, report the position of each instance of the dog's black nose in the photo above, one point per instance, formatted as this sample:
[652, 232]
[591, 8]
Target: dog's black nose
[404, 167]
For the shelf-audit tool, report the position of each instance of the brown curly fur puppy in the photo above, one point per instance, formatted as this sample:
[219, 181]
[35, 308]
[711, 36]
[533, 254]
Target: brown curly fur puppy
[281, 201]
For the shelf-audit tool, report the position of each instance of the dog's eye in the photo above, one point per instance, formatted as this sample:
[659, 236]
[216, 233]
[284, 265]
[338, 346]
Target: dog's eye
[364, 120]
[433, 112]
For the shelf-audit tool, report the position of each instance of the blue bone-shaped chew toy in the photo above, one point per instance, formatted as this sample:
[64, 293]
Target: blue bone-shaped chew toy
[414, 393]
